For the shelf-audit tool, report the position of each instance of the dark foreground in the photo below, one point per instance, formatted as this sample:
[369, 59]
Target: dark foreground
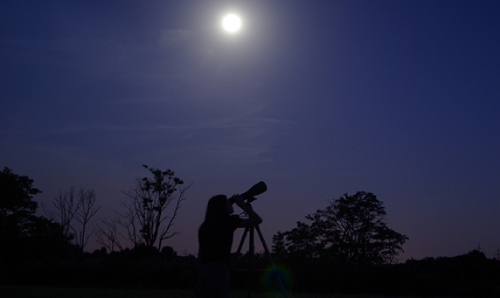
[60, 292]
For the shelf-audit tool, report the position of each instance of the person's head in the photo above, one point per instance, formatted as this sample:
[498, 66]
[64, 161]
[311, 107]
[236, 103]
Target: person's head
[218, 207]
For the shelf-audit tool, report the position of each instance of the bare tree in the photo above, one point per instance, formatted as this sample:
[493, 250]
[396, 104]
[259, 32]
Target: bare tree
[66, 206]
[108, 235]
[153, 207]
[129, 220]
[87, 210]
[70, 207]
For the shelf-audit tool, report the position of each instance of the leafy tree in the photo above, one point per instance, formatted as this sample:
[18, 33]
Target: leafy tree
[16, 204]
[23, 235]
[351, 230]
[153, 208]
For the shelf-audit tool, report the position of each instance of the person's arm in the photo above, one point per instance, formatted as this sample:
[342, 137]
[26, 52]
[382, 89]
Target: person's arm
[253, 218]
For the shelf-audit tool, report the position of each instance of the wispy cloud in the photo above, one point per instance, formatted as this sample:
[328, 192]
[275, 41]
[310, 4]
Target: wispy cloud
[231, 140]
[175, 37]
[217, 94]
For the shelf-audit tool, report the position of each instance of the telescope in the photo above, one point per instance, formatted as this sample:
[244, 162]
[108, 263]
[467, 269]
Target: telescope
[248, 197]
[257, 189]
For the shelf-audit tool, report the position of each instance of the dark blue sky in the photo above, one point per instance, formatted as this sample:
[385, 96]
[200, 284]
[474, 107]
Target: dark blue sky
[316, 98]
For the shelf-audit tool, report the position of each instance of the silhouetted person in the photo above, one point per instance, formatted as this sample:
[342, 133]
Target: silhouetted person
[215, 237]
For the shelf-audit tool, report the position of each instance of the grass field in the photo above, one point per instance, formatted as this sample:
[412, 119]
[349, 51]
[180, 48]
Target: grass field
[60, 292]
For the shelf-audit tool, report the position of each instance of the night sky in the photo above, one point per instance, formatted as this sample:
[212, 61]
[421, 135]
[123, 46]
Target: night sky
[316, 98]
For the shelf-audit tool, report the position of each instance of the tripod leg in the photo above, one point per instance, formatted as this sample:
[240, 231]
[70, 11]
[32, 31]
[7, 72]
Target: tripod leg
[240, 246]
[251, 251]
[242, 240]
[270, 259]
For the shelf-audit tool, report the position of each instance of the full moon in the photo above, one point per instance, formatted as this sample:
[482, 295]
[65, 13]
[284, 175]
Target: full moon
[231, 23]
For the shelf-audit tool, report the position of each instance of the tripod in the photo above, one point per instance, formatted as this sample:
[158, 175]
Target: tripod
[251, 253]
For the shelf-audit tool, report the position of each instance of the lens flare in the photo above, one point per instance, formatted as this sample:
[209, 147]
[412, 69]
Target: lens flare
[275, 277]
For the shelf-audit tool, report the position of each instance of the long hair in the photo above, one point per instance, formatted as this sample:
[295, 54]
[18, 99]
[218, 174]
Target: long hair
[216, 208]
